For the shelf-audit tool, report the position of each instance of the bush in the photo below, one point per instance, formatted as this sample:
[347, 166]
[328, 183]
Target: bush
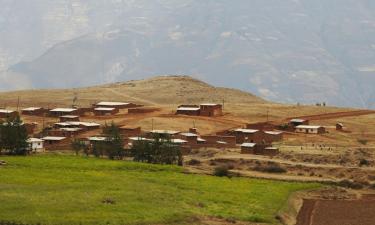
[364, 162]
[362, 141]
[221, 171]
[273, 168]
[194, 162]
[350, 184]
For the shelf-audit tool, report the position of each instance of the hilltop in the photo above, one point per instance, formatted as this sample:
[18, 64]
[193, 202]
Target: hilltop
[160, 90]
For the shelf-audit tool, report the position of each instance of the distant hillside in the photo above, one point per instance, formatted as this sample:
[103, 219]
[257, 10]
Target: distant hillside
[292, 51]
[163, 90]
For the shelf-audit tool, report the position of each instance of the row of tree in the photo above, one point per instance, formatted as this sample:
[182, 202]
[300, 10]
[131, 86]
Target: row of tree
[158, 150]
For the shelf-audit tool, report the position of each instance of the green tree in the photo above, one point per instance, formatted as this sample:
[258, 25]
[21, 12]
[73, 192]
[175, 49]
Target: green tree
[78, 146]
[159, 150]
[13, 136]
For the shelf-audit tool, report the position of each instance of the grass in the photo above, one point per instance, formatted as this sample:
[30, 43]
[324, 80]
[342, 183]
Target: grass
[73, 190]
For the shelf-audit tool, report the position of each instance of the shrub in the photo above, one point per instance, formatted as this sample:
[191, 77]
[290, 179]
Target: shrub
[364, 162]
[194, 162]
[362, 141]
[350, 184]
[221, 171]
[273, 168]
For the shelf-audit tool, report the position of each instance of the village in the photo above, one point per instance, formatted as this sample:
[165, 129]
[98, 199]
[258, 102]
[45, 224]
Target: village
[60, 126]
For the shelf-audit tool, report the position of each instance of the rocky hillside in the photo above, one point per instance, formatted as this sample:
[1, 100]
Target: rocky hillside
[289, 51]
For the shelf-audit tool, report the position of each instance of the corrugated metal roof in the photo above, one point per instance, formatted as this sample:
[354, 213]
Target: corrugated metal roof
[112, 103]
[104, 109]
[248, 145]
[63, 110]
[6, 111]
[51, 138]
[308, 127]
[248, 131]
[31, 109]
[187, 109]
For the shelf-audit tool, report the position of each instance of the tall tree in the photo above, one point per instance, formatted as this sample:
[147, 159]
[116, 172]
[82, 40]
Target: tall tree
[13, 136]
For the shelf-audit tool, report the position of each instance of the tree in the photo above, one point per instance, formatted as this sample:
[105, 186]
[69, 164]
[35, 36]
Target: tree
[13, 136]
[112, 146]
[159, 150]
[78, 146]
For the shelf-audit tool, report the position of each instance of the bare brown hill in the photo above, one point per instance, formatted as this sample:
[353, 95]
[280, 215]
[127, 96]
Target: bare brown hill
[161, 90]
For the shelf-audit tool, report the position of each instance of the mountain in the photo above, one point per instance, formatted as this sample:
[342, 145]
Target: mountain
[160, 90]
[289, 51]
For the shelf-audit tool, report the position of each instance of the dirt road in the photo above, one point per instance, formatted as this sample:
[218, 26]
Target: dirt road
[336, 115]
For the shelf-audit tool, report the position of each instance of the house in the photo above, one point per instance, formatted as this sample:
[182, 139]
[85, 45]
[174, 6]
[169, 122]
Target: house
[128, 131]
[95, 140]
[339, 126]
[270, 151]
[35, 144]
[57, 112]
[309, 129]
[33, 111]
[211, 110]
[53, 140]
[117, 105]
[77, 124]
[102, 111]
[191, 138]
[164, 133]
[248, 136]
[189, 110]
[273, 136]
[69, 118]
[297, 122]
[4, 113]
[248, 148]
[70, 132]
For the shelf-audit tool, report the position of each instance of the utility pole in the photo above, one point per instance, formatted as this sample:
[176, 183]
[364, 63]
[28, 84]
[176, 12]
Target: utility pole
[152, 124]
[267, 114]
[18, 103]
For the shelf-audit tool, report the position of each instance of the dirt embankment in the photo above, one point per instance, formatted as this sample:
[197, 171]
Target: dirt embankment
[338, 211]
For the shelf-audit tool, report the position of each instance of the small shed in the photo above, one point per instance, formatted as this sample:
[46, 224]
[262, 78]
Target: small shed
[117, 105]
[103, 111]
[4, 113]
[33, 111]
[69, 118]
[298, 122]
[188, 110]
[36, 144]
[57, 112]
[248, 148]
[310, 129]
[53, 140]
[211, 109]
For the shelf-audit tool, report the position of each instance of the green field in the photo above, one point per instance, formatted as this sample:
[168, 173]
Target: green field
[70, 190]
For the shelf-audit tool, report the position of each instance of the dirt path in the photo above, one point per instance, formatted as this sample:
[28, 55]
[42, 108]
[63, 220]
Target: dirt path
[335, 115]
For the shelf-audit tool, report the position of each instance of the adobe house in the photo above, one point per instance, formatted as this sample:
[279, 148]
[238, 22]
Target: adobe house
[248, 148]
[142, 110]
[270, 151]
[273, 136]
[211, 110]
[33, 111]
[69, 132]
[35, 145]
[57, 112]
[189, 110]
[261, 126]
[297, 122]
[54, 140]
[164, 133]
[69, 118]
[248, 135]
[86, 125]
[127, 131]
[102, 111]
[117, 105]
[309, 129]
[191, 138]
[8, 113]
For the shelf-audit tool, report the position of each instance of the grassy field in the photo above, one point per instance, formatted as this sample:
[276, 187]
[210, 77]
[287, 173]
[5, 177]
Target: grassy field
[75, 190]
